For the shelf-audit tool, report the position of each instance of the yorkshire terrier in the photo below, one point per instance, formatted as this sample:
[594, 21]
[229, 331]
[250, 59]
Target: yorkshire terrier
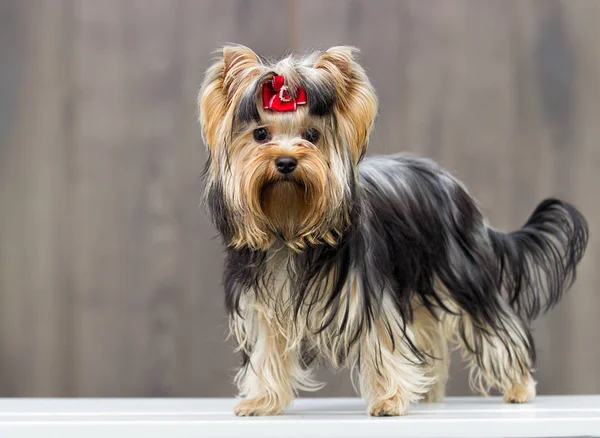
[374, 263]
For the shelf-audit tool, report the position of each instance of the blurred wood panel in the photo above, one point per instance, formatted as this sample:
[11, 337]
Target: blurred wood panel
[35, 300]
[110, 275]
[128, 287]
[567, 74]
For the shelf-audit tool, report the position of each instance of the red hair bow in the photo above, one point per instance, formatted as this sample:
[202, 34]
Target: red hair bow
[277, 96]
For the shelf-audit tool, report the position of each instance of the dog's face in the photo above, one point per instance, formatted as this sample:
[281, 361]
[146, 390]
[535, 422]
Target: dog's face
[284, 140]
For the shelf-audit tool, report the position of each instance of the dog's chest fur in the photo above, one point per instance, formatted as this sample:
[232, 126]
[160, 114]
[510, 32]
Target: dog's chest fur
[308, 318]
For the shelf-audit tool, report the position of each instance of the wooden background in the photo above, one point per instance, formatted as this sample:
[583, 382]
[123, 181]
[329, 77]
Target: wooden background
[110, 273]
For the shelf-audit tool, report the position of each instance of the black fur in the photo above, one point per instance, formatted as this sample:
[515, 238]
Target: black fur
[218, 211]
[322, 98]
[413, 225]
[554, 239]
[247, 110]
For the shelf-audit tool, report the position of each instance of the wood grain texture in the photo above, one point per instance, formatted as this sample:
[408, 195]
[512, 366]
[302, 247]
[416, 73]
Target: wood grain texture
[127, 284]
[110, 274]
[35, 304]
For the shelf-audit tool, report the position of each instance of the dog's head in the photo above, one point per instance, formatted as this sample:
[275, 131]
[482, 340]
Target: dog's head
[284, 140]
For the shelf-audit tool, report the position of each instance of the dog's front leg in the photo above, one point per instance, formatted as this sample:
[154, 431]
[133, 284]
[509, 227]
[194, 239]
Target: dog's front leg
[391, 376]
[272, 370]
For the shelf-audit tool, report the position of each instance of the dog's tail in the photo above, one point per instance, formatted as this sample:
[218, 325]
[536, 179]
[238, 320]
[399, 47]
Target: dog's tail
[537, 263]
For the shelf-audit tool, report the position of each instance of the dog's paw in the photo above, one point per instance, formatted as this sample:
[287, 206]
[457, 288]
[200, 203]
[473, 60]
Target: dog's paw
[520, 392]
[391, 407]
[258, 406]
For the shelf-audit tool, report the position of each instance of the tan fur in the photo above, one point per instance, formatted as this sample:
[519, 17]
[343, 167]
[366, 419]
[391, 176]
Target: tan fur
[503, 361]
[274, 374]
[433, 340]
[356, 101]
[281, 215]
[244, 168]
[275, 308]
[521, 392]
[506, 356]
[385, 374]
[391, 376]
[319, 191]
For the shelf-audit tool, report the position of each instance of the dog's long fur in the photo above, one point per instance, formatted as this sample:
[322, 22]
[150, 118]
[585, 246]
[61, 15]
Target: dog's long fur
[371, 263]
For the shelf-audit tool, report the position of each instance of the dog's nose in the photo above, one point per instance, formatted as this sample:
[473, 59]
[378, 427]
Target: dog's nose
[286, 165]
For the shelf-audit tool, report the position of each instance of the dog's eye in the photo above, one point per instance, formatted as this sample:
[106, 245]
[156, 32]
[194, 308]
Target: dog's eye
[261, 135]
[311, 135]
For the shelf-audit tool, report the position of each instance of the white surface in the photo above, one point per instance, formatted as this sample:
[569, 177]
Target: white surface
[186, 418]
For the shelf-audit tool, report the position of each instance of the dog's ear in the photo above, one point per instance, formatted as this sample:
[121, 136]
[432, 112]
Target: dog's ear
[222, 82]
[238, 61]
[340, 58]
[237, 57]
[356, 101]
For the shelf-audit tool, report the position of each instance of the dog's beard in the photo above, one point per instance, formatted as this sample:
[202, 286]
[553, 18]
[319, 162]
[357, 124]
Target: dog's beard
[284, 204]
[299, 209]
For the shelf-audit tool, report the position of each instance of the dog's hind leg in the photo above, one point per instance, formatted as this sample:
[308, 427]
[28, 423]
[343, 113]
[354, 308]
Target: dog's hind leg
[500, 356]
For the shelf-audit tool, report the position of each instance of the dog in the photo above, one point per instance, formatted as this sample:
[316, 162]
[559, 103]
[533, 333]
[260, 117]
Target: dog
[375, 263]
